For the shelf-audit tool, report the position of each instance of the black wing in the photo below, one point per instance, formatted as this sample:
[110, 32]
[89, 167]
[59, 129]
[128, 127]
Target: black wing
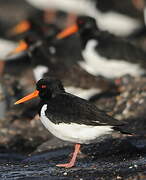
[72, 109]
[123, 49]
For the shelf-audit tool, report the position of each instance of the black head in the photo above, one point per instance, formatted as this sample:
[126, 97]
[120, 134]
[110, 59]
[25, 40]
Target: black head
[87, 29]
[46, 88]
[86, 23]
[31, 38]
[36, 20]
[49, 87]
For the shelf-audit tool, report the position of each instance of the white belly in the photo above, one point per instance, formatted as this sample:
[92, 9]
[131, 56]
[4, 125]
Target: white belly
[74, 132]
[98, 65]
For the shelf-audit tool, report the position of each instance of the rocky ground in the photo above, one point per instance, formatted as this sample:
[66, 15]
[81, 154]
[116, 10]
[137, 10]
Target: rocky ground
[122, 158]
[29, 151]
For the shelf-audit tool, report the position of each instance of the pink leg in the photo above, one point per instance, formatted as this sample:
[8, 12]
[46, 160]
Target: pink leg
[73, 160]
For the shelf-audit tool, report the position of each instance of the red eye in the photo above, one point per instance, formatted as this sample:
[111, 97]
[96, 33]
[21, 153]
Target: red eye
[43, 86]
[81, 22]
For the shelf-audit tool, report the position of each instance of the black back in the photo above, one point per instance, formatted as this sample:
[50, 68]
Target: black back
[109, 45]
[124, 7]
[67, 108]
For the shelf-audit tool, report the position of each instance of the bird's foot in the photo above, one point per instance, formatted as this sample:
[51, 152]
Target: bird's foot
[73, 160]
[67, 165]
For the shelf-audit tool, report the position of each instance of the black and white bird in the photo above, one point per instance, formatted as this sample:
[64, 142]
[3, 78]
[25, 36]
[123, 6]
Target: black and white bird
[106, 54]
[109, 16]
[69, 117]
[121, 19]
[34, 24]
[57, 59]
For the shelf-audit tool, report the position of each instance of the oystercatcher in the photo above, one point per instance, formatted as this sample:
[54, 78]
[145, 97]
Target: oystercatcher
[104, 53]
[33, 37]
[121, 19]
[34, 22]
[33, 26]
[69, 117]
[51, 60]
[79, 82]
[110, 16]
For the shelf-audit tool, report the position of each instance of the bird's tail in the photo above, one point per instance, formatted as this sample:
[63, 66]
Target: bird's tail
[123, 130]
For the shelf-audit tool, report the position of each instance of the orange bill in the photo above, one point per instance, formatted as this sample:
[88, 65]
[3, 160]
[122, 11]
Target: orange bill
[22, 27]
[28, 97]
[67, 32]
[21, 47]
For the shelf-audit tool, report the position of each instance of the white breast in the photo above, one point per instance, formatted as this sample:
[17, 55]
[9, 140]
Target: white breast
[117, 23]
[74, 132]
[98, 65]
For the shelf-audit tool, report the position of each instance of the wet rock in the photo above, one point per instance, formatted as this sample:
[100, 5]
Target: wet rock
[22, 136]
[113, 162]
